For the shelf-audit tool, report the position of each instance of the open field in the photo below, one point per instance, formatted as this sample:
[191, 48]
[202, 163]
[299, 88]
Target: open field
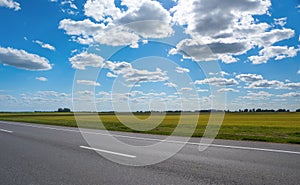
[269, 127]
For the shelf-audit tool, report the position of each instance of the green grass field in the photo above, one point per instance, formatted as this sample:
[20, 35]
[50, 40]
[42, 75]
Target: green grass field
[269, 127]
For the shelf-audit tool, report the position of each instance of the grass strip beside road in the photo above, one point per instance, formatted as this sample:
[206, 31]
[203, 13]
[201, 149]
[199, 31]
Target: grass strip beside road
[269, 127]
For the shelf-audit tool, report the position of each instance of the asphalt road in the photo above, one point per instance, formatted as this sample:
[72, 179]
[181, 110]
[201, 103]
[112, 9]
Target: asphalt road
[37, 154]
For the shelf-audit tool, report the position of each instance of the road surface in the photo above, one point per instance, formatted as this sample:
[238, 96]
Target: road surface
[38, 154]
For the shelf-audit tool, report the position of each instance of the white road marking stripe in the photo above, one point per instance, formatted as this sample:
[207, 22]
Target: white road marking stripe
[109, 152]
[7, 131]
[152, 139]
[257, 149]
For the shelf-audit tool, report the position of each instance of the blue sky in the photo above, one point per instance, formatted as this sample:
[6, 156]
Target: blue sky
[149, 55]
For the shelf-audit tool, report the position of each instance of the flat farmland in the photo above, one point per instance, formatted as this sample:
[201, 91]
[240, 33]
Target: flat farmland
[268, 127]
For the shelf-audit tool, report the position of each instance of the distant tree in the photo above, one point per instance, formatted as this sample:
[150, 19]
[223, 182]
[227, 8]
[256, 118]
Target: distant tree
[279, 110]
[67, 110]
[298, 110]
[246, 110]
[64, 110]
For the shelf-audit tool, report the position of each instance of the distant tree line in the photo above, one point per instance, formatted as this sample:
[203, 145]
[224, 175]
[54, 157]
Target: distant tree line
[180, 111]
[64, 110]
[215, 110]
[208, 110]
[263, 110]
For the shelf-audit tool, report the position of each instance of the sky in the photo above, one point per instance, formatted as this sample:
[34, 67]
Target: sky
[132, 55]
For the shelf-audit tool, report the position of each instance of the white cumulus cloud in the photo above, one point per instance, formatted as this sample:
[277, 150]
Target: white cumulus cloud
[85, 59]
[228, 90]
[10, 4]
[292, 85]
[217, 81]
[182, 70]
[277, 52]
[170, 84]
[42, 79]
[199, 51]
[113, 26]
[266, 39]
[110, 75]
[149, 19]
[261, 95]
[24, 60]
[280, 21]
[101, 10]
[44, 45]
[266, 84]
[290, 94]
[117, 36]
[51, 94]
[136, 75]
[224, 30]
[249, 77]
[88, 82]
[70, 3]
[85, 27]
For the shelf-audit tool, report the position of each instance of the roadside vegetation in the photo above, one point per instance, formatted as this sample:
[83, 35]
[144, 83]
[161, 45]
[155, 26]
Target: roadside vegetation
[280, 127]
